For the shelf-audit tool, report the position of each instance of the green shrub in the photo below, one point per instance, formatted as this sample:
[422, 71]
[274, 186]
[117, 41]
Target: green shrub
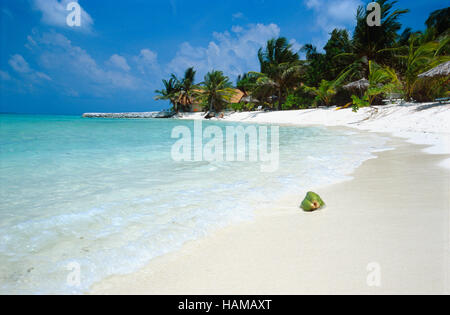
[297, 102]
[359, 103]
[238, 107]
[249, 106]
[429, 89]
[291, 102]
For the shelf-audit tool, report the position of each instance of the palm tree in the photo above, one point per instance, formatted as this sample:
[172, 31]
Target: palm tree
[381, 80]
[419, 56]
[327, 89]
[323, 93]
[180, 93]
[371, 43]
[419, 59]
[280, 68]
[216, 90]
[278, 51]
[169, 93]
[246, 83]
[438, 21]
[188, 90]
[368, 42]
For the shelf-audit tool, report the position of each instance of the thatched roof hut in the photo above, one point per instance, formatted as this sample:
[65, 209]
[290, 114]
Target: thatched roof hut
[196, 105]
[440, 71]
[237, 96]
[362, 84]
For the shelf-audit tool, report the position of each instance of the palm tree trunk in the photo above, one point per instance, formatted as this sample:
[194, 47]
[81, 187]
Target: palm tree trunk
[211, 106]
[175, 107]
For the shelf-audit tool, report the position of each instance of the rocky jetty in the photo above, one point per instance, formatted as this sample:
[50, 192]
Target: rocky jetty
[123, 115]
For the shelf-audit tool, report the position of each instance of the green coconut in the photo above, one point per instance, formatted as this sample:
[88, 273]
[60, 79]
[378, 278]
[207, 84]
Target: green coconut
[312, 202]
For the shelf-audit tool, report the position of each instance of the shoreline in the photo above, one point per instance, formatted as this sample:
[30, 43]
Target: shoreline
[287, 251]
[418, 123]
[423, 123]
[385, 190]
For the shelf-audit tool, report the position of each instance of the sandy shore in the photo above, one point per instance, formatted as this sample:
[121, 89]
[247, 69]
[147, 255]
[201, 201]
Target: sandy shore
[394, 215]
[424, 123]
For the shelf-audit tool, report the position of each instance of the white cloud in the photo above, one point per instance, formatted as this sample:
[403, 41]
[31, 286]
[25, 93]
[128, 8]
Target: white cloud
[19, 64]
[331, 14]
[313, 4]
[296, 46]
[43, 76]
[76, 69]
[233, 53]
[118, 62]
[54, 13]
[147, 62]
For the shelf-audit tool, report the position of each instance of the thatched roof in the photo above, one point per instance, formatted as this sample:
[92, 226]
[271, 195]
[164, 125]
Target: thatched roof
[440, 71]
[237, 96]
[360, 85]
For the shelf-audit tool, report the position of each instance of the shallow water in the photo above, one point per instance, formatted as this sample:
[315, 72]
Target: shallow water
[106, 194]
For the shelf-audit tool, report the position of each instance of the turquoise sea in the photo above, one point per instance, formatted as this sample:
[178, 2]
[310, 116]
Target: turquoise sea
[106, 194]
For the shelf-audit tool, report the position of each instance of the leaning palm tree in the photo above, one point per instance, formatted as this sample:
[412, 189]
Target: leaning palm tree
[169, 93]
[216, 90]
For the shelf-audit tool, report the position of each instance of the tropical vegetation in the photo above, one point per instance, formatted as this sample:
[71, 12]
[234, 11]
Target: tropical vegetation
[390, 57]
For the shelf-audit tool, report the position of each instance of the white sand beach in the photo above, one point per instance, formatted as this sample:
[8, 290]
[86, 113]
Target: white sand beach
[394, 214]
[425, 123]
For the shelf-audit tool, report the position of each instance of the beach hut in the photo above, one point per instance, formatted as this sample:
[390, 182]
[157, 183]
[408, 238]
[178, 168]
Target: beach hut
[237, 96]
[442, 70]
[361, 85]
[196, 105]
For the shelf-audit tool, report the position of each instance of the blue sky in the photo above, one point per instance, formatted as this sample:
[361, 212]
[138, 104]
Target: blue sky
[123, 49]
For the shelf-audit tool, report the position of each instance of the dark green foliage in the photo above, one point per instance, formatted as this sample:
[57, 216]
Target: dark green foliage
[216, 91]
[246, 82]
[439, 20]
[280, 70]
[369, 42]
